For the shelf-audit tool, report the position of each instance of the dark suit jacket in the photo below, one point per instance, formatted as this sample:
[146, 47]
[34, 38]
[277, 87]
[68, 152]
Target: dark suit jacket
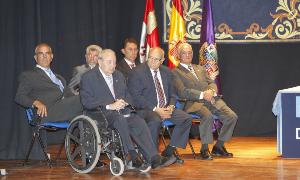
[78, 71]
[36, 85]
[142, 87]
[189, 87]
[94, 91]
[124, 67]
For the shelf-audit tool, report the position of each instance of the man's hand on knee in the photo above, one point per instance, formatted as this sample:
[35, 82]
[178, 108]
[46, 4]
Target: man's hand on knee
[41, 108]
[164, 113]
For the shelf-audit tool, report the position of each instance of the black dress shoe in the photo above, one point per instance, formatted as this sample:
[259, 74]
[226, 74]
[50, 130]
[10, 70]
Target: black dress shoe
[221, 152]
[205, 155]
[137, 163]
[101, 164]
[161, 161]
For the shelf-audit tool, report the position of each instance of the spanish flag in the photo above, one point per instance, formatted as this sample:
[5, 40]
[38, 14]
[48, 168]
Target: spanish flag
[177, 32]
[149, 35]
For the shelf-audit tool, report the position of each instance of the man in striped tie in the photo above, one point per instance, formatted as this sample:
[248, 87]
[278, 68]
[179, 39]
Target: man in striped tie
[150, 85]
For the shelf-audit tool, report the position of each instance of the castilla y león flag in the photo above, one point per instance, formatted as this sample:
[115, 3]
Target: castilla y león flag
[149, 35]
[208, 56]
[177, 32]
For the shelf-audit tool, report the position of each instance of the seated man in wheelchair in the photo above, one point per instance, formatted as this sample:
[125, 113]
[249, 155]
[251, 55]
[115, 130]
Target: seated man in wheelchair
[105, 89]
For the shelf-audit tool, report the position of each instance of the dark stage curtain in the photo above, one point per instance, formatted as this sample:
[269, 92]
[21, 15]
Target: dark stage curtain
[251, 74]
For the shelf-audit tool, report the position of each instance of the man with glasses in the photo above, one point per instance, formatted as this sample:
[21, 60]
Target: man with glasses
[46, 91]
[150, 85]
[193, 83]
[104, 89]
[91, 57]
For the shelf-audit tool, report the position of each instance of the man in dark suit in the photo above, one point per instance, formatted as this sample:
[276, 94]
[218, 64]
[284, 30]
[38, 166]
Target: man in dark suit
[105, 89]
[42, 89]
[193, 83]
[91, 57]
[130, 52]
[150, 85]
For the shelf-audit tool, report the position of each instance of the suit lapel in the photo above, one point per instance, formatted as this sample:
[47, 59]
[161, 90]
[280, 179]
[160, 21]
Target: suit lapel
[117, 86]
[188, 74]
[126, 66]
[102, 81]
[197, 71]
[43, 74]
[164, 81]
[149, 80]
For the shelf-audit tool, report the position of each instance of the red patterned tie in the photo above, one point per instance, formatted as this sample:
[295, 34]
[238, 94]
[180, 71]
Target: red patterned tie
[160, 92]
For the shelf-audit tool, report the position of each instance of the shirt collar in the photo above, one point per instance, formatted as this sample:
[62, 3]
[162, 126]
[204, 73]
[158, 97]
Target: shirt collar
[44, 69]
[185, 65]
[128, 62]
[104, 75]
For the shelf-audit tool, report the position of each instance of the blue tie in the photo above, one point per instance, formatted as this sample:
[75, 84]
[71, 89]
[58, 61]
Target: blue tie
[55, 80]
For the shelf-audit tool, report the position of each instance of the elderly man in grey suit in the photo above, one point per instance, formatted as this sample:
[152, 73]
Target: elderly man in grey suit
[104, 88]
[193, 83]
[151, 87]
[46, 91]
[91, 57]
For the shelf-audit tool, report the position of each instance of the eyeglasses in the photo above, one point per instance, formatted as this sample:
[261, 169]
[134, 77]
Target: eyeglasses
[43, 53]
[155, 59]
[187, 53]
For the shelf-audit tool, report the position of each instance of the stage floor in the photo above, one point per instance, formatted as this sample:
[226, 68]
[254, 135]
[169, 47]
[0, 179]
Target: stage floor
[254, 158]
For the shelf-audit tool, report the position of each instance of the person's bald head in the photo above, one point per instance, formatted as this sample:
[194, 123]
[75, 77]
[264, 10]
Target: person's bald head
[43, 55]
[107, 61]
[155, 57]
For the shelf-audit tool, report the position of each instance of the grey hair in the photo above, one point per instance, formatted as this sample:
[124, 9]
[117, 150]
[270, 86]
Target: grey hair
[40, 45]
[93, 47]
[106, 51]
[181, 46]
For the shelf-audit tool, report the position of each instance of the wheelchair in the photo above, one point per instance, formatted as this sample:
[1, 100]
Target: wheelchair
[87, 138]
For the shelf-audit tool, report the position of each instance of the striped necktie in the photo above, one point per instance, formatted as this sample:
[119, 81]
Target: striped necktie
[160, 92]
[192, 71]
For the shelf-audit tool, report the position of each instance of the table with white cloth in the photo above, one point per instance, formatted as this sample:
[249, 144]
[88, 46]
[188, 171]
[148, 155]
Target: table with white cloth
[286, 107]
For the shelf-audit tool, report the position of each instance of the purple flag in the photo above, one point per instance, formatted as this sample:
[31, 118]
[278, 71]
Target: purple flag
[208, 56]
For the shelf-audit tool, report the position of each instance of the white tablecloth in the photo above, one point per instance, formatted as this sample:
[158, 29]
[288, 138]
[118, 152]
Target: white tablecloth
[277, 110]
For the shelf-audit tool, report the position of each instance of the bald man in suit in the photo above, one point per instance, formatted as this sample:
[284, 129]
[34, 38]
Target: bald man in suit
[151, 87]
[46, 91]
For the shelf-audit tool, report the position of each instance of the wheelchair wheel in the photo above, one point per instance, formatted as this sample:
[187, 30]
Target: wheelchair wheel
[82, 144]
[118, 146]
[116, 166]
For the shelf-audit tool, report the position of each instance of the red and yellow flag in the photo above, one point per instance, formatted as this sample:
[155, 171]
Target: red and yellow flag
[149, 35]
[177, 32]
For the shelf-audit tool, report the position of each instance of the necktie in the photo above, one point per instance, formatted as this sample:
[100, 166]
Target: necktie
[160, 92]
[192, 71]
[55, 80]
[110, 84]
[132, 66]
